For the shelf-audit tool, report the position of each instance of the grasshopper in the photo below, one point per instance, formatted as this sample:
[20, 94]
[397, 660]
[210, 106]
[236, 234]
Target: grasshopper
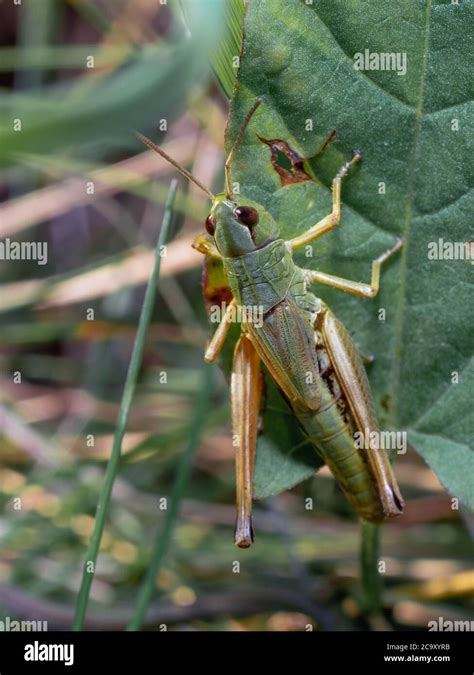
[305, 348]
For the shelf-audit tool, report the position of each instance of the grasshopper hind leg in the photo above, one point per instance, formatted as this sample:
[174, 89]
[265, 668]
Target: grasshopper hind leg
[355, 385]
[246, 392]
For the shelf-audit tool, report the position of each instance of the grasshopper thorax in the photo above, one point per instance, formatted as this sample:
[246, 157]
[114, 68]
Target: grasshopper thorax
[240, 227]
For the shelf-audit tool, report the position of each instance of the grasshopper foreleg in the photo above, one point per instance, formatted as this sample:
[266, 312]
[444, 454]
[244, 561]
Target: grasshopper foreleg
[205, 245]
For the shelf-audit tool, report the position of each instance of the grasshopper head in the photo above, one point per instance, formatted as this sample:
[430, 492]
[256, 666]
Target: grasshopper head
[240, 228]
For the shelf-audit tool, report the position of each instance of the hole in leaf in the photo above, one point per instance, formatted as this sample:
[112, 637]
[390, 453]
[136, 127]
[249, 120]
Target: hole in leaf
[286, 162]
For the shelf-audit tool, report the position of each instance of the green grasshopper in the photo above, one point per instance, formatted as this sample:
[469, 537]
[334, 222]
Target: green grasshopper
[305, 348]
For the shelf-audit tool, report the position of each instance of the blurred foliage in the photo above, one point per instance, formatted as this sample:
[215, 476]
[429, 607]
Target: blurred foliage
[75, 176]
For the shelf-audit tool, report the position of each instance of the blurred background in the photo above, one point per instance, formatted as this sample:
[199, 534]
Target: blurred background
[76, 78]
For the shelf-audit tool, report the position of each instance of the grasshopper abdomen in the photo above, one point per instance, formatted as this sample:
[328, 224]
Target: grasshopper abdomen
[331, 430]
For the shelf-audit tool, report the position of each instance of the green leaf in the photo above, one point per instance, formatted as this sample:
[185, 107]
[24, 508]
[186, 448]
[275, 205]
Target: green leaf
[416, 132]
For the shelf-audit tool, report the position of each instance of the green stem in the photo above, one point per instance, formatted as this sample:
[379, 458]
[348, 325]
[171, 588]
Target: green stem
[369, 560]
[165, 533]
[125, 404]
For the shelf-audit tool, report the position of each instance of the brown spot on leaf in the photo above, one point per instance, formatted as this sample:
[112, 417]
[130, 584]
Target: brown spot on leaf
[294, 171]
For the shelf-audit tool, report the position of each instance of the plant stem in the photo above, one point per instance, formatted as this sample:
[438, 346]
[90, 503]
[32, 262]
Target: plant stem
[165, 533]
[369, 560]
[125, 405]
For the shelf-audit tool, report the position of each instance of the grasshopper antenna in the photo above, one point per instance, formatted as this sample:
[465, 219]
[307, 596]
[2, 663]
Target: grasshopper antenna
[235, 147]
[169, 159]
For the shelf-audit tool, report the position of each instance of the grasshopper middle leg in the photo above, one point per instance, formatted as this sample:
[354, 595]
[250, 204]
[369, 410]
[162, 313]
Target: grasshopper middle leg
[355, 287]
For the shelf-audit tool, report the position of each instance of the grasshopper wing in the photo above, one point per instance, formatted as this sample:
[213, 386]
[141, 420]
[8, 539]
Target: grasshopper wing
[286, 344]
[353, 380]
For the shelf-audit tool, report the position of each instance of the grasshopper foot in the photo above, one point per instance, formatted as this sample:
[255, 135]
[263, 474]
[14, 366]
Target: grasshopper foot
[243, 533]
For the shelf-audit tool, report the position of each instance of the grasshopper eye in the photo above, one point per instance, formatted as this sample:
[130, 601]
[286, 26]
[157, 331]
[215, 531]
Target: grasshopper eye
[210, 225]
[246, 215]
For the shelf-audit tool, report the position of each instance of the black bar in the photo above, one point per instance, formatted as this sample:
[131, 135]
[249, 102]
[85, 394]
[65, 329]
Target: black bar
[313, 652]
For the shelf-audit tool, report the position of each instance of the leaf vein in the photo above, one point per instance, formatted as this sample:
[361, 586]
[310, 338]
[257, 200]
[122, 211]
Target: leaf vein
[362, 73]
[399, 324]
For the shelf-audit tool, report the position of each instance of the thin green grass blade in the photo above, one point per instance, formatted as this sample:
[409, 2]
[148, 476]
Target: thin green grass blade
[369, 561]
[125, 405]
[166, 532]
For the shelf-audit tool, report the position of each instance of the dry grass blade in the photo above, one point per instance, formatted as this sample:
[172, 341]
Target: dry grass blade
[132, 271]
[109, 278]
[30, 441]
[24, 212]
